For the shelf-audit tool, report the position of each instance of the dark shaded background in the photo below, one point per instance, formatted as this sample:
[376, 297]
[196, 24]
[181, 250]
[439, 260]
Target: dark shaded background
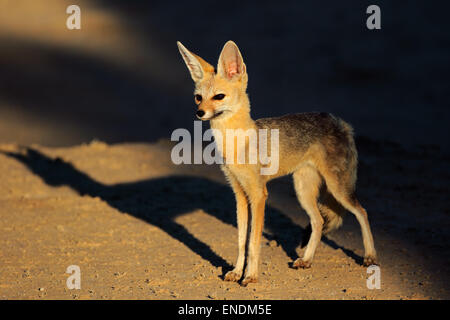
[120, 78]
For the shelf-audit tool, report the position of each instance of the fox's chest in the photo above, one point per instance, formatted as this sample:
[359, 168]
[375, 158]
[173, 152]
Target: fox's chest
[237, 147]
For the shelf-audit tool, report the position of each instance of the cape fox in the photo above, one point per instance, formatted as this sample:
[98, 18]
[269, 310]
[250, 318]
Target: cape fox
[317, 148]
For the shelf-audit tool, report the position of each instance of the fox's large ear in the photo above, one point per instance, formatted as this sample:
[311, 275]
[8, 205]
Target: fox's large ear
[230, 61]
[198, 67]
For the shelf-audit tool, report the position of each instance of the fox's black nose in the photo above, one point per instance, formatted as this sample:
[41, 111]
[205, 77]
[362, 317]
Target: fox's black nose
[200, 113]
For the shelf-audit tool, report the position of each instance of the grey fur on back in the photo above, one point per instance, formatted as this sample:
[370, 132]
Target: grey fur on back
[303, 129]
[298, 132]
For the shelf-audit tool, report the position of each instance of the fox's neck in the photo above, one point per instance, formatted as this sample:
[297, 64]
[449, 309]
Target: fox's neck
[239, 120]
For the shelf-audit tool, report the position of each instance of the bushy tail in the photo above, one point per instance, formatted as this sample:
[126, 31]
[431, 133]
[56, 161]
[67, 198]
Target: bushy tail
[332, 213]
[352, 154]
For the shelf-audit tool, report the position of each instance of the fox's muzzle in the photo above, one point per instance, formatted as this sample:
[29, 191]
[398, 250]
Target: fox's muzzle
[200, 114]
[205, 114]
[208, 115]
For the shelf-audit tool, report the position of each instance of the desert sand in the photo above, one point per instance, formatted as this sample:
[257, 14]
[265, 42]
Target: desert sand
[140, 227]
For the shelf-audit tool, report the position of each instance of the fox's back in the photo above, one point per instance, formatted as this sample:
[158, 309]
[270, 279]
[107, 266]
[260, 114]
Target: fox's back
[298, 133]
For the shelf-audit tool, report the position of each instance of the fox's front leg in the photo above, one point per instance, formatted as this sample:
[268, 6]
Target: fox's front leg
[257, 202]
[242, 222]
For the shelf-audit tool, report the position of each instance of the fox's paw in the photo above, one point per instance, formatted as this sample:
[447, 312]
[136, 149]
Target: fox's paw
[232, 276]
[368, 261]
[299, 263]
[249, 279]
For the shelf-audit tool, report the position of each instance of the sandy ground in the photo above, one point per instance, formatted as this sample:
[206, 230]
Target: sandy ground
[142, 228]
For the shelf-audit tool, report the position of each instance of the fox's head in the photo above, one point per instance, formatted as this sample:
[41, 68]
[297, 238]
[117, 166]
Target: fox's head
[222, 94]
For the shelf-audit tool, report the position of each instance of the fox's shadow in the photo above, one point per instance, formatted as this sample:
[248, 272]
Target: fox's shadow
[158, 201]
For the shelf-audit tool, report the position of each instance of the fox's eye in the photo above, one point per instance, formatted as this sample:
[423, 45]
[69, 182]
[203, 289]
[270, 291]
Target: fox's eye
[198, 98]
[219, 96]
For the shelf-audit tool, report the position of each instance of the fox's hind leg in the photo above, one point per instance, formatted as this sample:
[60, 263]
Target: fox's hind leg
[345, 195]
[307, 181]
